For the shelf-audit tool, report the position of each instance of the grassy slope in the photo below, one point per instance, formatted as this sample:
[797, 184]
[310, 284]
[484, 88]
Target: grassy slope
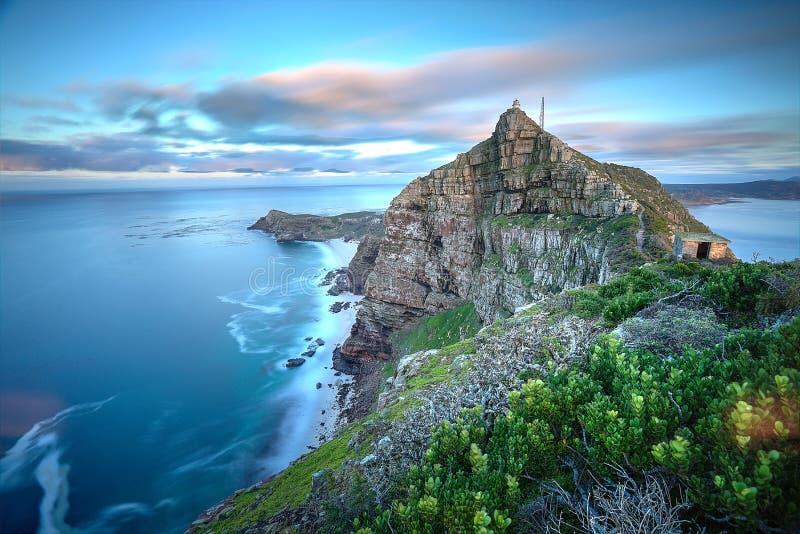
[439, 330]
[657, 201]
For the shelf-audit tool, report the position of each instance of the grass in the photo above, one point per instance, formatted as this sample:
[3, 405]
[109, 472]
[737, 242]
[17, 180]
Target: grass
[291, 486]
[440, 330]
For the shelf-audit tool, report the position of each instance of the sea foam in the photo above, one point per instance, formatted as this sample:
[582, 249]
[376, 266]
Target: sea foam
[39, 446]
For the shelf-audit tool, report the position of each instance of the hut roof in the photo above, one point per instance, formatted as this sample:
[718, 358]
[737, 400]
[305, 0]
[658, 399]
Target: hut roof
[702, 237]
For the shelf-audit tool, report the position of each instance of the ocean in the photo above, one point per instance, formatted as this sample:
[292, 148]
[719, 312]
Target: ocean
[143, 337]
[764, 229]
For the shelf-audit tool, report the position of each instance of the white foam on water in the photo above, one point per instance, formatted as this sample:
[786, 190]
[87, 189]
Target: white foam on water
[39, 447]
[36, 442]
[51, 475]
[241, 325]
[209, 460]
[111, 518]
[268, 310]
[300, 425]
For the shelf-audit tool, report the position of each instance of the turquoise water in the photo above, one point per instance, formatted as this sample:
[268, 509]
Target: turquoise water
[768, 228]
[141, 376]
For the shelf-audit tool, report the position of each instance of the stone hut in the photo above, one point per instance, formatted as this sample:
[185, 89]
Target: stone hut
[695, 245]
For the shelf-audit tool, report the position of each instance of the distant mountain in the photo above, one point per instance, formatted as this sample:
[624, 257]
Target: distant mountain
[702, 194]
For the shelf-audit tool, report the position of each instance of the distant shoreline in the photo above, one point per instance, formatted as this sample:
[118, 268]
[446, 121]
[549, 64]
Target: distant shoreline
[717, 201]
[712, 194]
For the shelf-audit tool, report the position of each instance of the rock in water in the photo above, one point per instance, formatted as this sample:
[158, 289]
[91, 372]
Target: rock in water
[295, 362]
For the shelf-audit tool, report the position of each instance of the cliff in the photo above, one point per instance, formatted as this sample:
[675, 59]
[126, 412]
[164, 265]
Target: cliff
[518, 216]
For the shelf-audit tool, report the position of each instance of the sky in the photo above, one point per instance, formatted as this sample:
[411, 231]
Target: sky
[689, 91]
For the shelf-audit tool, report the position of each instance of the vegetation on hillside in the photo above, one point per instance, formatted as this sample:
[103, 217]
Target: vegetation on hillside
[439, 330]
[661, 209]
[666, 400]
[664, 440]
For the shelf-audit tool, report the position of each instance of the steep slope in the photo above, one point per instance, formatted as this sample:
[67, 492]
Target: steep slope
[519, 215]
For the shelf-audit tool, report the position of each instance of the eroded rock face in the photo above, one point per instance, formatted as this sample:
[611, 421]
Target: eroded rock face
[453, 235]
[363, 261]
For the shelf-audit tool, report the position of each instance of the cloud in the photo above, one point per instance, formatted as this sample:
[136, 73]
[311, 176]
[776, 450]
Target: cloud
[346, 96]
[54, 120]
[117, 99]
[43, 103]
[734, 144]
[101, 153]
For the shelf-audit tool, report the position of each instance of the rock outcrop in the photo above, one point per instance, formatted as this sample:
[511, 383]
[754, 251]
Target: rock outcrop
[519, 215]
[304, 227]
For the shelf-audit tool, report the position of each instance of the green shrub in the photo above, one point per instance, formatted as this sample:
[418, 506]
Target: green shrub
[727, 428]
[587, 302]
[623, 306]
[637, 280]
[737, 288]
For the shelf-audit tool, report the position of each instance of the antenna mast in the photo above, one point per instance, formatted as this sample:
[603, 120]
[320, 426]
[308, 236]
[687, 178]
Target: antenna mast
[541, 116]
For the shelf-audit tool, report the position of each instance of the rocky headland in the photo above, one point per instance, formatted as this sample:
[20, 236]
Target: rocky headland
[518, 216]
[305, 227]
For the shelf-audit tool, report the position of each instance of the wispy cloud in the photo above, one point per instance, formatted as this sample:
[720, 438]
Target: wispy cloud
[42, 103]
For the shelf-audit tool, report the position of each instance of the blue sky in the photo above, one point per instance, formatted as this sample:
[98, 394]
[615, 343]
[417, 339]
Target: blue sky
[691, 92]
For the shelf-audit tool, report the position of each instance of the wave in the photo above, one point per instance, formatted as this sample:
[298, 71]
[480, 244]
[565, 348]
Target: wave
[269, 310]
[51, 475]
[246, 325]
[39, 447]
[208, 460]
[37, 441]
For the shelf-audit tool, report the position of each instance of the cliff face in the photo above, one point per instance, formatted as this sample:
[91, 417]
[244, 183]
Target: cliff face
[518, 215]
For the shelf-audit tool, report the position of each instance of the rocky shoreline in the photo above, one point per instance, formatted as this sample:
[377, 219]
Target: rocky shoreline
[352, 396]
[356, 392]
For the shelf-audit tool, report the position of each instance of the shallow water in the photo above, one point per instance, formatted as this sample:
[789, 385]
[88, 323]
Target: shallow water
[142, 377]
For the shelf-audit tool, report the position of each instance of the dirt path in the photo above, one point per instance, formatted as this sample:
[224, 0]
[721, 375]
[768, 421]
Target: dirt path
[640, 233]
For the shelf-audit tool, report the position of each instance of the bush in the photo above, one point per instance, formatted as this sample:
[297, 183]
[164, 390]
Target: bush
[637, 280]
[626, 305]
[667, 329]
[723, 422]
[737, 288]
[587, 303]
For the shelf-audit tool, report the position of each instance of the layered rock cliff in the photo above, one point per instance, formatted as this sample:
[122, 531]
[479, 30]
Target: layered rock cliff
[519, 215]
